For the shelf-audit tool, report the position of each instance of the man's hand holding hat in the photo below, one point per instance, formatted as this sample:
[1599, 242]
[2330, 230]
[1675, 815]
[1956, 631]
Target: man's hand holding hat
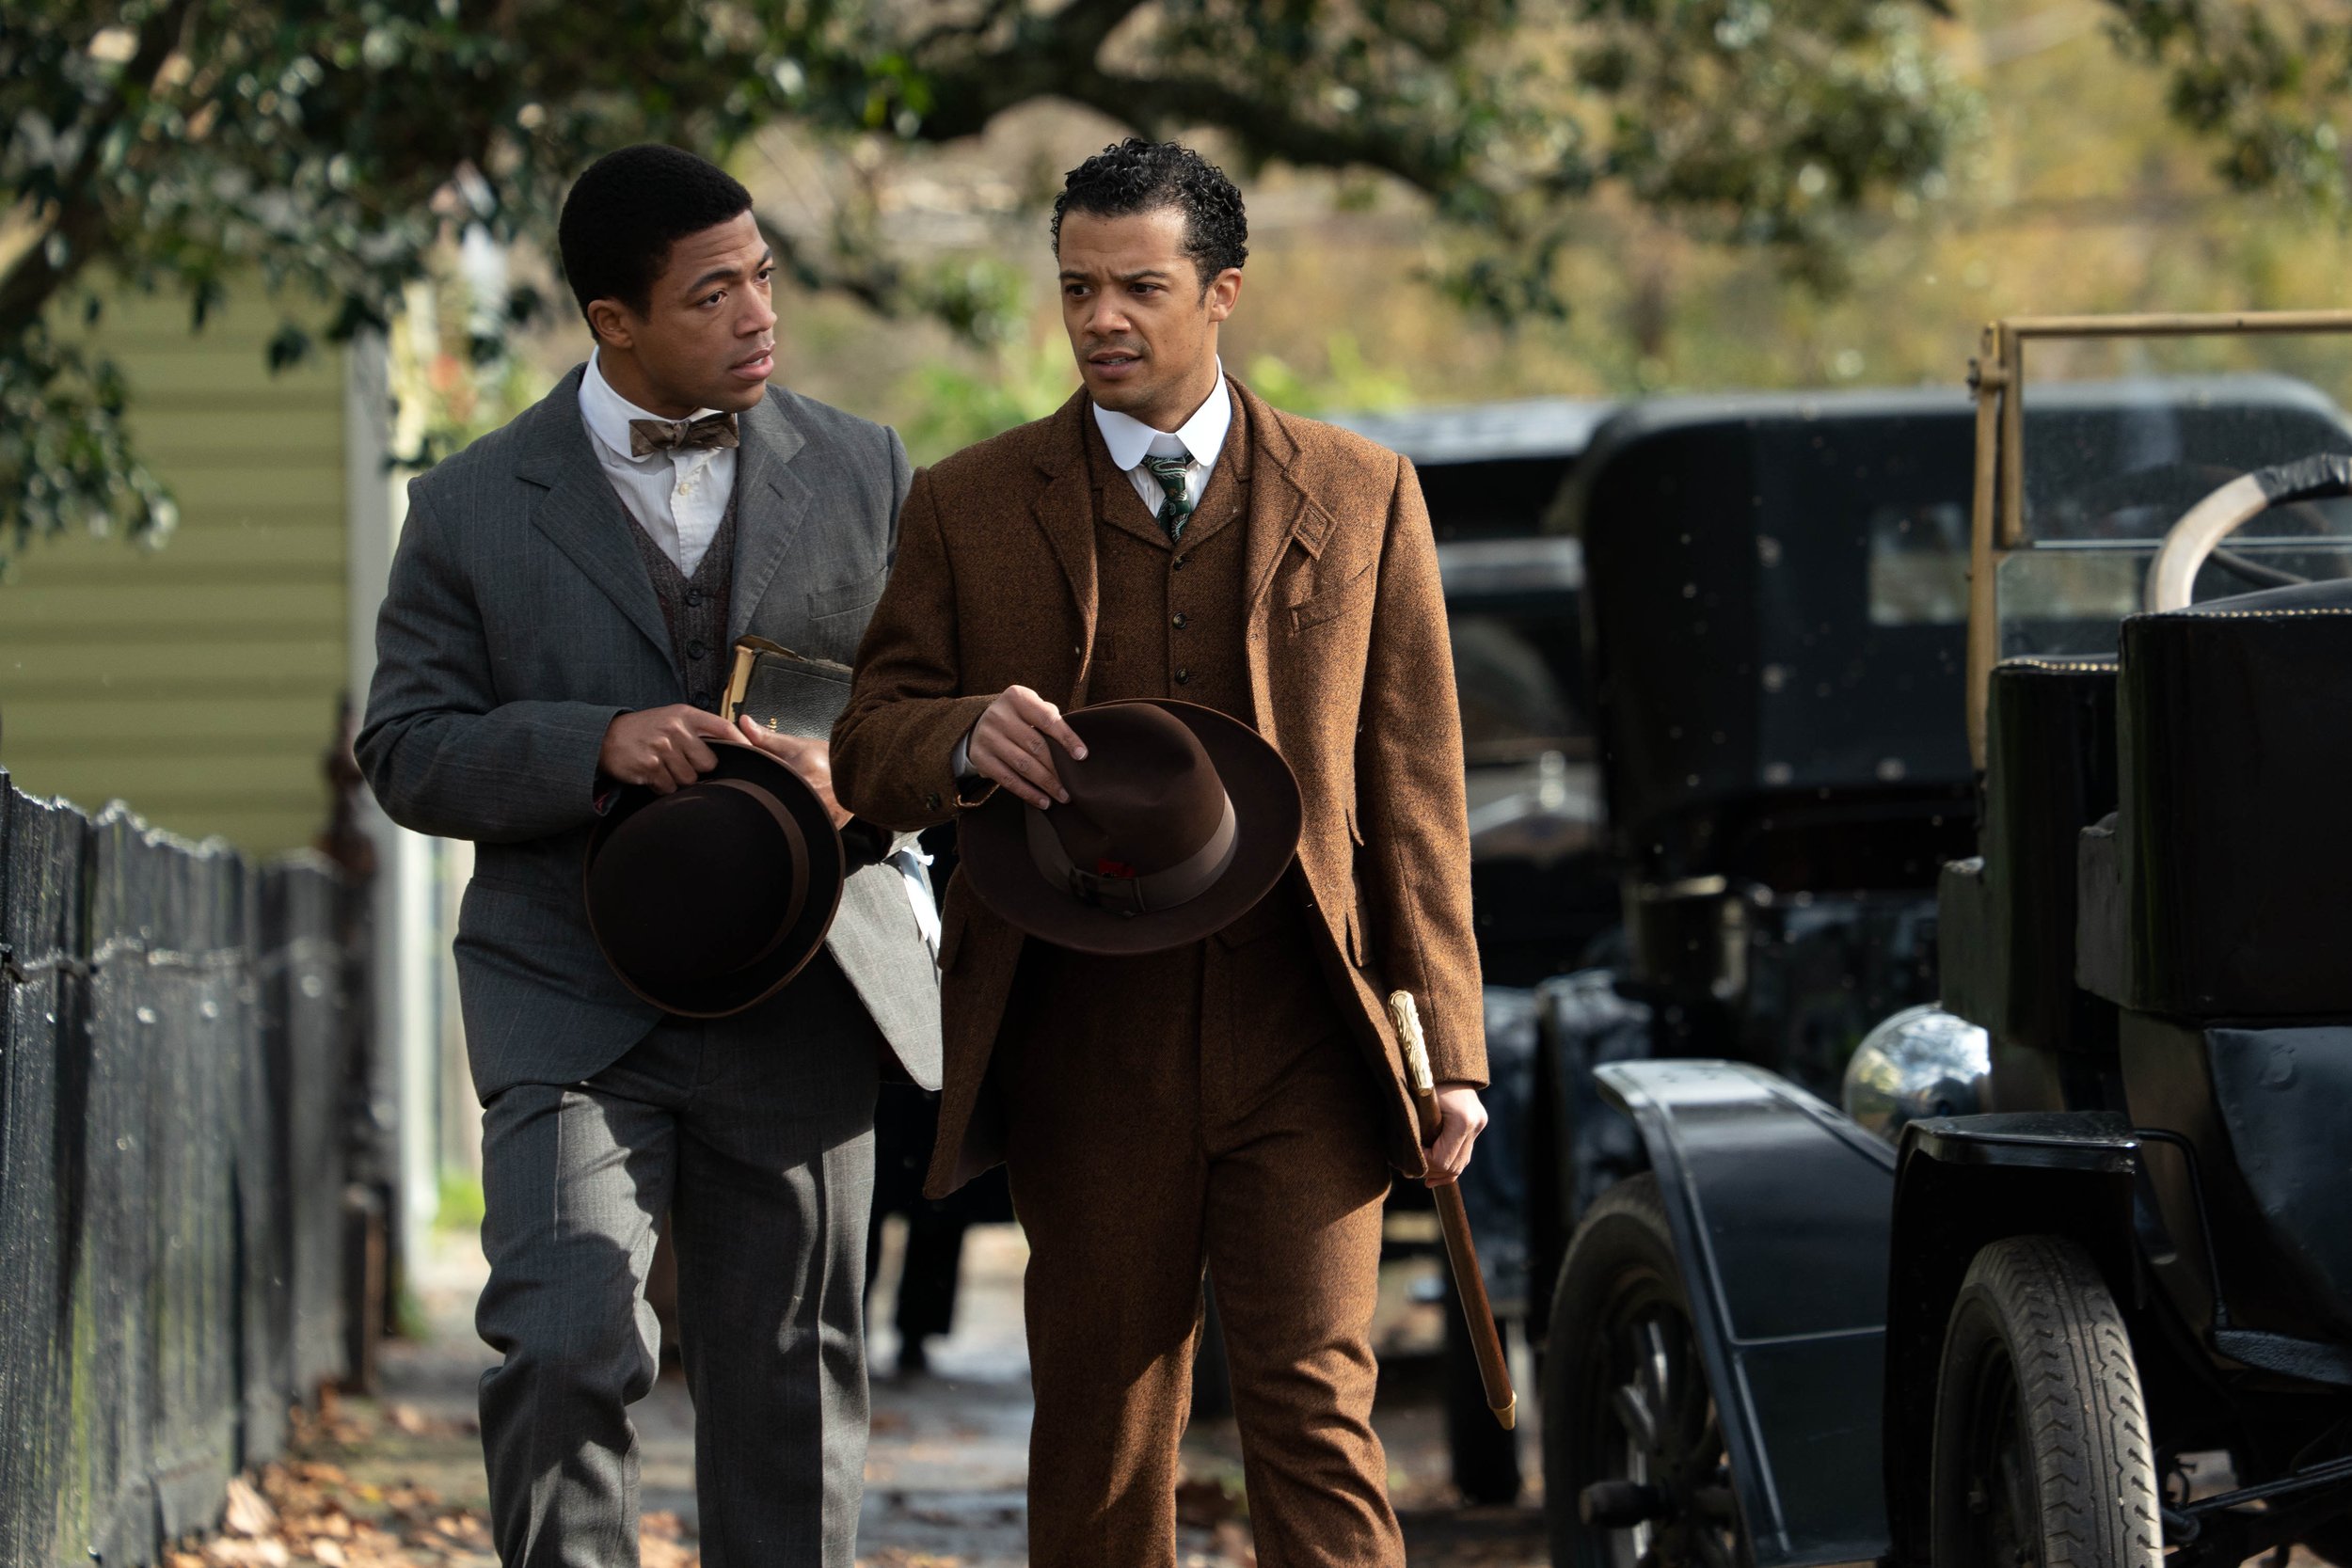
[1008, 746]
[811, 759]
[663, 749]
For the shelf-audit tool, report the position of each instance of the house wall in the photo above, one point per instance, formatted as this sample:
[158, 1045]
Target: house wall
[199, 681]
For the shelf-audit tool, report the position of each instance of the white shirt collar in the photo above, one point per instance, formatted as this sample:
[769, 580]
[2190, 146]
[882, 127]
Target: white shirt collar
[1203, 434]
[607, 414]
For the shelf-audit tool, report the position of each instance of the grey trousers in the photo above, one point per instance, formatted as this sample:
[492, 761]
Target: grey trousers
[755, 1135]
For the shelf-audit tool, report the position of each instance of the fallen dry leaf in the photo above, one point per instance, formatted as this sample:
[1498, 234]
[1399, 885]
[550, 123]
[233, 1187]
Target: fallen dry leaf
[248, 1513]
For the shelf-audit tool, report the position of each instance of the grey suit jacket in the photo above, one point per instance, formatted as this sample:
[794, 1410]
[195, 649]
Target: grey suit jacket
[520, 621]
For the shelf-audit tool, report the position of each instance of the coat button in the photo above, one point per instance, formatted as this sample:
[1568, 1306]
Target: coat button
[1183, 675]
[930, 801]
[1180, 622]
[1178, 564]
[695, 648]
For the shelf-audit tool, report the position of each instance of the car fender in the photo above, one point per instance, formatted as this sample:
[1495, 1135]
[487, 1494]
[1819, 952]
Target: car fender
[1779, 1209]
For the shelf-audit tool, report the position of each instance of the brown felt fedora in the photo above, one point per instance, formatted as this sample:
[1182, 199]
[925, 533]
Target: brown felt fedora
[1179, 820]
[707, 900]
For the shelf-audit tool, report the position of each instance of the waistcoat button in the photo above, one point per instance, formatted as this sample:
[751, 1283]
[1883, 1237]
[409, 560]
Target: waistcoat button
[695, 649]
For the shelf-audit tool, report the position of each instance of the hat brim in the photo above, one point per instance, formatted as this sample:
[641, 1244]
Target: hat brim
[992, 840]
[760, 979]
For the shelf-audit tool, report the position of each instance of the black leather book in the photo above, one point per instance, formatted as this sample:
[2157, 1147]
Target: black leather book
[786, 691]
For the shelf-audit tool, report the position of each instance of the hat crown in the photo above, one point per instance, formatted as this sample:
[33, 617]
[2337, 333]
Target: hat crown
[1144, 798]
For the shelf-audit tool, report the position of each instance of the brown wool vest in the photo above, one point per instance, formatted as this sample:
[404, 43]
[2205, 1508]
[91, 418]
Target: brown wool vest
[1169, 622]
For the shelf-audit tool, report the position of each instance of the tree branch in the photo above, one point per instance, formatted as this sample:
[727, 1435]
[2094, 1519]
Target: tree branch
[79, 218]
[966, 99]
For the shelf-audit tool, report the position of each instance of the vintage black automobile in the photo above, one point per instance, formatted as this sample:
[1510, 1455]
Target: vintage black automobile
[1760, 846]
[1776, 638]
[2072, 1284]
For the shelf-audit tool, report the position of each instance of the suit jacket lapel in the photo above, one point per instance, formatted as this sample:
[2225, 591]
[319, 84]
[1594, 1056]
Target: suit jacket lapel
[1065, 513]
[766, 487]
[1281, 510]
[1282, 505]
[580, 514]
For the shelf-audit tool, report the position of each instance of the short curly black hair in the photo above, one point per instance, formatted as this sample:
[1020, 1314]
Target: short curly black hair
[625, 212]
[1138, 176]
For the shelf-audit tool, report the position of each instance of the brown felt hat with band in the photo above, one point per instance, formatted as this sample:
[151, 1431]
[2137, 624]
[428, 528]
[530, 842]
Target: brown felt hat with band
[1179, 820]
[709, 899]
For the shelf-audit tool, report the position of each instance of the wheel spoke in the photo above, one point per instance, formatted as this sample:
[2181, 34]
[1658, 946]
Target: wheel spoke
[1634, 1414]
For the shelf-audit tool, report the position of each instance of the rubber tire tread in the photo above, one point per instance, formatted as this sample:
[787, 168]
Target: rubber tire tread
[1625, 1224]
[2079, 1395]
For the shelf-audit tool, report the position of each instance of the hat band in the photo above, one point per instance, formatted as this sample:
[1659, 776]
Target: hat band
[794, 846]
[1187, 880]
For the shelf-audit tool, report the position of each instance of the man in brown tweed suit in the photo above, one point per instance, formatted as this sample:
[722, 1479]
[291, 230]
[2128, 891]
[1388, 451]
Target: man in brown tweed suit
[1238, 1102]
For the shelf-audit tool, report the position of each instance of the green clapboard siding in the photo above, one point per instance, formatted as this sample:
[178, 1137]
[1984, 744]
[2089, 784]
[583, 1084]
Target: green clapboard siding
[198, 681]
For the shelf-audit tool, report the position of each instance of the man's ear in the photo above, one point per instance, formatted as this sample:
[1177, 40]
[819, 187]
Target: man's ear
[1223, 294]
[612, 322]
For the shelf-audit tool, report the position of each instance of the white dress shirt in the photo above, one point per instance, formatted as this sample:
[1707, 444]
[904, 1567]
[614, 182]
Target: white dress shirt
[1197, 441]
[679, 498]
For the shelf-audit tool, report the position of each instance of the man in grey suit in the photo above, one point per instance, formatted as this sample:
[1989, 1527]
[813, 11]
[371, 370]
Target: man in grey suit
[561, 612]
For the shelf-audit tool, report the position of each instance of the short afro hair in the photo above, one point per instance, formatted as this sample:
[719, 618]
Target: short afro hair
[1138, 176]
[628, 209]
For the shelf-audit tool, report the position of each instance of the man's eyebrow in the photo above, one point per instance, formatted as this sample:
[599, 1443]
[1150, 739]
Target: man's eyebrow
[1068, 274]
[727, 275]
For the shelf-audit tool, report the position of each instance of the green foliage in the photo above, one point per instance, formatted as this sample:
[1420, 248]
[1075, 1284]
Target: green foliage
[1024, 379]
[65, 465]
[332, 146]
[1352, 385]
[461, 1204]
[2265, 80]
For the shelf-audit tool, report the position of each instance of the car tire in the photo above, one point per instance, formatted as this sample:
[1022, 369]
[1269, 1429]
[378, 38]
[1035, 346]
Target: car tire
[1622, 1354]
[2041, 1456]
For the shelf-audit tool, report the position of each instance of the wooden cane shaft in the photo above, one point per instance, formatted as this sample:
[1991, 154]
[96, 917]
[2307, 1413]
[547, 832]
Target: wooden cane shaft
[1494, 1370]
[1469, 1281]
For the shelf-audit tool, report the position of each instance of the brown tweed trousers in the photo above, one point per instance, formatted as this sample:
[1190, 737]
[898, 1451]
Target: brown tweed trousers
[1238, 1100]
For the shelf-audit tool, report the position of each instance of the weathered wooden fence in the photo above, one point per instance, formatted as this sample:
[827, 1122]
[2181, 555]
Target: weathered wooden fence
[177, 1049]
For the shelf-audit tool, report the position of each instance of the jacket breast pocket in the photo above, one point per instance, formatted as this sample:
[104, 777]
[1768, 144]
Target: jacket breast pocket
[1343, 599]
[846, 598]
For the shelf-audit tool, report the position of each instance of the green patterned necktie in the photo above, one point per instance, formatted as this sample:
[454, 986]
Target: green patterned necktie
[1170, 472]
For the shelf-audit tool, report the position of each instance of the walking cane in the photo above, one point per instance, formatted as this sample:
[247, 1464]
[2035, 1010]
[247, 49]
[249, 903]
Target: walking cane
[1493, 1370]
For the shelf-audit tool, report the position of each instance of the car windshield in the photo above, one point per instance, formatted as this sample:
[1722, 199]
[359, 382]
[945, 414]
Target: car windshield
[2112, 461]
[1510, 612]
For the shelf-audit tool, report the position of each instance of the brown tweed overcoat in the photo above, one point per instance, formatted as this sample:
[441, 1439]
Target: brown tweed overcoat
[1350, 678]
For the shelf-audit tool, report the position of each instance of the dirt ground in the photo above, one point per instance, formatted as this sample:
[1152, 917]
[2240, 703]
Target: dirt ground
[396, 1481]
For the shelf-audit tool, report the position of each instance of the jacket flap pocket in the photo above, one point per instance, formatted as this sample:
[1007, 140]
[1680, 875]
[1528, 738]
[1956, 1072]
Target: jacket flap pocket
[842, 598]
[1333, 602]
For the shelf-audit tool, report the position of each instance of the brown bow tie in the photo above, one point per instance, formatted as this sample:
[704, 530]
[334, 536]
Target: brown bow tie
[709, 433]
